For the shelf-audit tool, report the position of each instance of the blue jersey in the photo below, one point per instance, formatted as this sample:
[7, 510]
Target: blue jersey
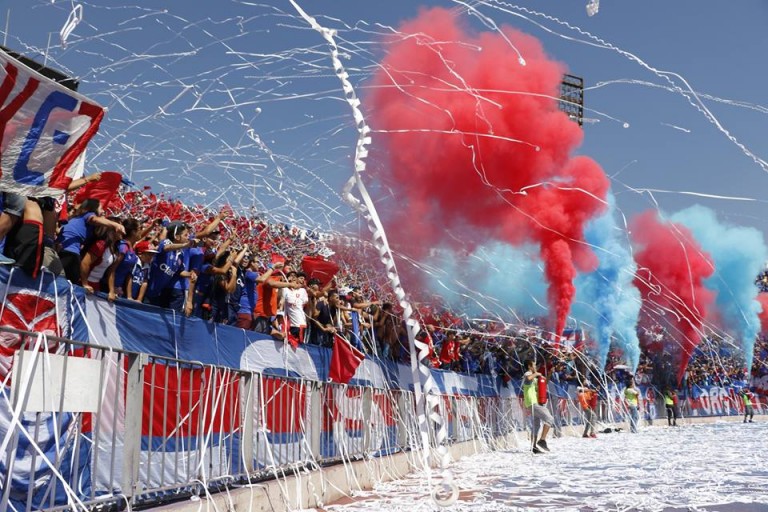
[165, 267]
[139, 276]
[125, 268]
[233, 299]
[178, 282]
[196, 255]
[74, 233]
[247, 284]
[204, 280]
[220, 305]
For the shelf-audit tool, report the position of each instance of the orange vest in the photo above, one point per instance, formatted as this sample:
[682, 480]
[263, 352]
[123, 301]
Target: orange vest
[587, 399]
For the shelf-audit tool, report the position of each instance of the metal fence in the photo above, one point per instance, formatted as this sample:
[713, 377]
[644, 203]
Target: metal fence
[88, 425]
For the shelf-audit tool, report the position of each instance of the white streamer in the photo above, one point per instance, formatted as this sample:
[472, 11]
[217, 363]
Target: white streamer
[74, 18]
[424, 386]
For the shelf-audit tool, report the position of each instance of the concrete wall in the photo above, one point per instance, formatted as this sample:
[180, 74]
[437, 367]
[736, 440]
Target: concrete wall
[307, 489]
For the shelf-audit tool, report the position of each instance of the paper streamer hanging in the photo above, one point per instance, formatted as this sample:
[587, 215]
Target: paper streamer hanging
[424, 386]
[74, 18]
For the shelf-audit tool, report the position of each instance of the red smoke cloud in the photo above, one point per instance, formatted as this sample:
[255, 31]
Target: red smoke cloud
[464, 129]
[671, 271]
[762, 298]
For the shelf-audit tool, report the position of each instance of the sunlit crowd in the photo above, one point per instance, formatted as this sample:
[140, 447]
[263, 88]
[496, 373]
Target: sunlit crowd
[245, 271]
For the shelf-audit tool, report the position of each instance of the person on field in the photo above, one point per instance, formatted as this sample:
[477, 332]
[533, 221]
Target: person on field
[540, 415]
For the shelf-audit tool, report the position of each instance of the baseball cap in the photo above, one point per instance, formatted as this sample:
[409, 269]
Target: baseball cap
[144, 246]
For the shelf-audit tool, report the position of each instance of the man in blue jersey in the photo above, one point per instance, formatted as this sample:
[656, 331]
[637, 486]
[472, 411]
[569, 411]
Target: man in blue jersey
[224, 291]
[202, 261]
[243, 300]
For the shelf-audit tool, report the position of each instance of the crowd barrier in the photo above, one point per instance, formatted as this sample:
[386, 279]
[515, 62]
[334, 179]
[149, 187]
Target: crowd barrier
[139, 428]
[143, 429]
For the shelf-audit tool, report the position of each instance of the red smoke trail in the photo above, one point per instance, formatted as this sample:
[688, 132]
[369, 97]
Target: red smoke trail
[762, 298]
[672, 268]
[450, 106]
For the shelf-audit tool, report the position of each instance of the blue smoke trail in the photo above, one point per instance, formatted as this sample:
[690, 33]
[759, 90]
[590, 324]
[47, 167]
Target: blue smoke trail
[495, 279]
[613, 300]
[739, 255]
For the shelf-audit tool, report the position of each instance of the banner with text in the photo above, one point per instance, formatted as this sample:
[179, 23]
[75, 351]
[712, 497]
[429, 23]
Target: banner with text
[45, 129]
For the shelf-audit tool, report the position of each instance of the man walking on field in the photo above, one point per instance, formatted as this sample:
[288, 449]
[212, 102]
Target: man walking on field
[539, 414]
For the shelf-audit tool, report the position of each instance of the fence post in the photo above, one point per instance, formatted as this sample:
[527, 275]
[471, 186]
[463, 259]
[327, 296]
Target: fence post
[367, 407]
[402, 426]
[134, 398]
[316, 418]
[19, 395]
[246, 388]
[452, 417]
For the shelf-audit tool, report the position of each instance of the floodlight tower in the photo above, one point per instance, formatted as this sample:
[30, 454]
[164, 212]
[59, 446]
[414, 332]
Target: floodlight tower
[572, 98]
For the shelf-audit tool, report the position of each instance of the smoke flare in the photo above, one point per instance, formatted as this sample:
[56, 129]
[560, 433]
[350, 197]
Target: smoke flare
[477, 150]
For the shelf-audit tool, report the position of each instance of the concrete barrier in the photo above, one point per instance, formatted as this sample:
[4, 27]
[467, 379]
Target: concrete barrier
[306, 489]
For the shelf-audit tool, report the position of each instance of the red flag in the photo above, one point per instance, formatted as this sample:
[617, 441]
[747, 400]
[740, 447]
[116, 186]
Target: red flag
[456, 354]
[344, 361]
[103, 190]
[294, 340]
[432, 356]
[319, 268]
[446, 351]
[285, 327]
[33, 311]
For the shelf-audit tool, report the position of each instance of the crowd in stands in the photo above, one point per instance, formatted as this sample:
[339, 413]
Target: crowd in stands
[761, 281]
[225, 268]
[244, 271]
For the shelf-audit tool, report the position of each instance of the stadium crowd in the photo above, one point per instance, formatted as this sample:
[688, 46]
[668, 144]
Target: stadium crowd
[275, 279]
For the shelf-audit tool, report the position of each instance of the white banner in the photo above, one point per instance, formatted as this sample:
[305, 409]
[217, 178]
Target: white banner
[45, 129]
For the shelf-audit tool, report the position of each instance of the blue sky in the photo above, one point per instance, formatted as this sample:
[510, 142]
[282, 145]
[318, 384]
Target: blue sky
[236, 101]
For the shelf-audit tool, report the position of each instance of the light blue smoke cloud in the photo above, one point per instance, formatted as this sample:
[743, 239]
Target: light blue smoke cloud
[497, 279]
[739, 255]
[606, 298]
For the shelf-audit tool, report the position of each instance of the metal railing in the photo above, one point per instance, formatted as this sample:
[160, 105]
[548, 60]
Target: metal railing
[113, 425]
[87, 425]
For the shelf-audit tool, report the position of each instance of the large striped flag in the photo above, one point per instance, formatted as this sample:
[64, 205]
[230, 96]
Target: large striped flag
[45, 129]
[37, 306]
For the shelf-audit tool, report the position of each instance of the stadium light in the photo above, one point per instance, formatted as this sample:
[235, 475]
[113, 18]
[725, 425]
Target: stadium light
[572, 98]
